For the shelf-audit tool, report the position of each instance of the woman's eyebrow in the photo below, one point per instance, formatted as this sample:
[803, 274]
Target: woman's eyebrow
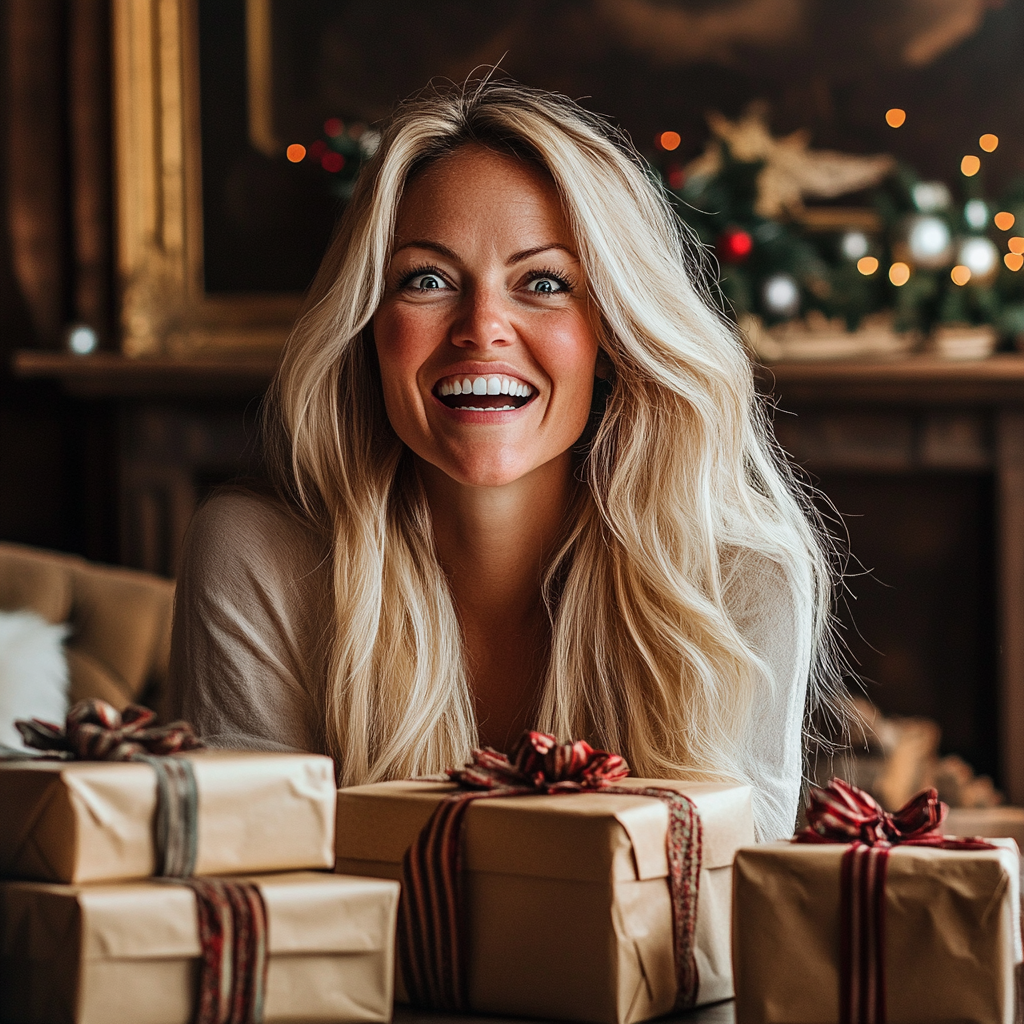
[526, 254]
[438, 247]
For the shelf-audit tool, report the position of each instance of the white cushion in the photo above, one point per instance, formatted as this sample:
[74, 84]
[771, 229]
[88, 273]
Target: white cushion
[33, 672]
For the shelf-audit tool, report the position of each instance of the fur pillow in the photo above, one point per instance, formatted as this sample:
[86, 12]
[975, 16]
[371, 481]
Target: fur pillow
[33, 672]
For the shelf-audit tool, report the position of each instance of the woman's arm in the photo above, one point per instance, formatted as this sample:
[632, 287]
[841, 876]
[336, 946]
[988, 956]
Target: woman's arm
[249, 613]
[774, 614]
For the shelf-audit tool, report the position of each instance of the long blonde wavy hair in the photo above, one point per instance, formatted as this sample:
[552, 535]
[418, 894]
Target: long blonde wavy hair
[679, 478]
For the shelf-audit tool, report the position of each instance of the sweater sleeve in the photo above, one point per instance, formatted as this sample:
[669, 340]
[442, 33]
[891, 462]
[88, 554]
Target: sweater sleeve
[248, 638]
[775, 616]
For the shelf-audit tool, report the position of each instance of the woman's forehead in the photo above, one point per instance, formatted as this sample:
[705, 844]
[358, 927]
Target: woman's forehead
[475, 185]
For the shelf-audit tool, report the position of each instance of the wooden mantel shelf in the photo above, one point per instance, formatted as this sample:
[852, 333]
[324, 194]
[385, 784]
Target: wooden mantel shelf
[913, 380]
[111, 375]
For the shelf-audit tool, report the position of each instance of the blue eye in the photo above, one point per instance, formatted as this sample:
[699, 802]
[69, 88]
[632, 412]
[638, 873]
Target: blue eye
[425, 282]
[547, 282]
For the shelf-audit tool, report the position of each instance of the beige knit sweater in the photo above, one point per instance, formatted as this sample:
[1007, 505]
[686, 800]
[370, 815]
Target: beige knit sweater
[252, 622]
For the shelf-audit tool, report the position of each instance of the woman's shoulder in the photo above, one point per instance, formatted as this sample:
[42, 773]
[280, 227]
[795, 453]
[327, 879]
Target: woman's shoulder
[757, 586]
[248, 531]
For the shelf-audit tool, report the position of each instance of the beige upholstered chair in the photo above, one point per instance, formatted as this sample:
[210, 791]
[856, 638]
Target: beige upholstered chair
[120, 620]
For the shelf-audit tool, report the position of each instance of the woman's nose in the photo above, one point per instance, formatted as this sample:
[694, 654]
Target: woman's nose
[484, 319]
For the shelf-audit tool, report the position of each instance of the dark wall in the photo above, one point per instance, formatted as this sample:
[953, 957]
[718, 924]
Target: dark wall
[56, 466]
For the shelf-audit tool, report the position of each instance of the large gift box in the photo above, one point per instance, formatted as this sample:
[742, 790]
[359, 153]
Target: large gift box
[130, 953]
[904, 931]
[566, 908]
[88, 821]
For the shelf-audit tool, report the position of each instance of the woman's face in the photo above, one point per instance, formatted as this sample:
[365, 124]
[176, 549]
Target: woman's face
[485, 336]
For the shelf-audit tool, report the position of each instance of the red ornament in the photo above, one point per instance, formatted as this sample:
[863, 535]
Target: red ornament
[734, 245]
[332, 162]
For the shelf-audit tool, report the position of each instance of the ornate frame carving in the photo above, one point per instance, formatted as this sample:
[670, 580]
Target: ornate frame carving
[164, 308]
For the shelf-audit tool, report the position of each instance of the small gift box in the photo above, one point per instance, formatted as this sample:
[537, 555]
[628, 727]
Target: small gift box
[305, 946]
[134, 807]
[874, 917]
[580, 901]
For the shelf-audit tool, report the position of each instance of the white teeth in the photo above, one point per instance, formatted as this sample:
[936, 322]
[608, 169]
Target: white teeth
[484, 386]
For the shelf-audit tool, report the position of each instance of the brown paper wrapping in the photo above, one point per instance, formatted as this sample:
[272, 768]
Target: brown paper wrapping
[91, 821]
[952, 934]
[128, 953]
[568, 908]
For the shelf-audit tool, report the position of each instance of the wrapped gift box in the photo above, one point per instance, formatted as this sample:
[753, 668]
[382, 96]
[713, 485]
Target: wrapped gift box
[952, 934]
[567, 896]
[128, 953]
[89, 821]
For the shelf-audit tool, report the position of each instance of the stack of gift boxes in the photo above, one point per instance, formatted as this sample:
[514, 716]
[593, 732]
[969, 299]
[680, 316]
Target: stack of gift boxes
[89, 936]
[531, 889]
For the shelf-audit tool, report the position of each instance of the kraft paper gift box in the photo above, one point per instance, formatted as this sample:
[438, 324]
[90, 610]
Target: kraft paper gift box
[951, 934]
[128, 953]
[568, 912]
[90, 821]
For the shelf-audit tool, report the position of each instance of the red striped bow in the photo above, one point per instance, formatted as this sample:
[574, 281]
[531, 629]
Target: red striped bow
[539, 762]
[430, 941]
[841, 813]
[95, 731]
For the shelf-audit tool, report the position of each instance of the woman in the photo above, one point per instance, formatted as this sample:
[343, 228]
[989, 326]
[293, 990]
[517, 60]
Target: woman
[523, 481]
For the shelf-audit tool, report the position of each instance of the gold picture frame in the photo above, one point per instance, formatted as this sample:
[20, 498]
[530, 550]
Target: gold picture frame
[164, 307]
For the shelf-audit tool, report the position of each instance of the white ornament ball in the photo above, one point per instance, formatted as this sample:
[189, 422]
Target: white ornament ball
[854, 245]
[979, 255]
[81, 340]
[976, 213]
[929, 241]
[930, 196]
[781, 295]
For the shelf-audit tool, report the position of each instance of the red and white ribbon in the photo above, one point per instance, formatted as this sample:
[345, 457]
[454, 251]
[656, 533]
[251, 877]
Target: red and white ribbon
[430, 940]
[841, 813]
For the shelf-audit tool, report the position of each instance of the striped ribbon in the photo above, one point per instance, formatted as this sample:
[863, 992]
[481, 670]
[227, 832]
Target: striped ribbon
[841, 813]
[233, 960]
[95, 731]
[431, 943]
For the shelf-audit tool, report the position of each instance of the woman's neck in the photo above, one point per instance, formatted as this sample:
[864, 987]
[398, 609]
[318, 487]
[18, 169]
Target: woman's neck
[494, 544]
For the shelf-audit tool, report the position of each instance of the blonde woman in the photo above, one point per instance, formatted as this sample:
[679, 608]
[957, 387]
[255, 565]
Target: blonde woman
[523, 481]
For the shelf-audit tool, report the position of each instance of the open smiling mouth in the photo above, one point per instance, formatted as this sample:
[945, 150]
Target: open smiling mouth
[496, 393]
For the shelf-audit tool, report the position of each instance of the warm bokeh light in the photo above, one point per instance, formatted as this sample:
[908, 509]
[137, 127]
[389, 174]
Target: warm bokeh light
[295, 152]
[988, 142]
[899, 274]
[1015, 244]
[867, 265]
[960, 274]
[895, 117]
[1014, 260]
[332, 162]
[970, 165]
[1003, 220]
[669, 140]
[333, 127]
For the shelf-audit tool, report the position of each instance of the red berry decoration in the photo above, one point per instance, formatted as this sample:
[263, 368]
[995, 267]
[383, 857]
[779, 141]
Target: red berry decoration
[734, 245]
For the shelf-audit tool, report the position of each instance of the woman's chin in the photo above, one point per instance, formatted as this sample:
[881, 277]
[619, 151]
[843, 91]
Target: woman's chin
[491, 471]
